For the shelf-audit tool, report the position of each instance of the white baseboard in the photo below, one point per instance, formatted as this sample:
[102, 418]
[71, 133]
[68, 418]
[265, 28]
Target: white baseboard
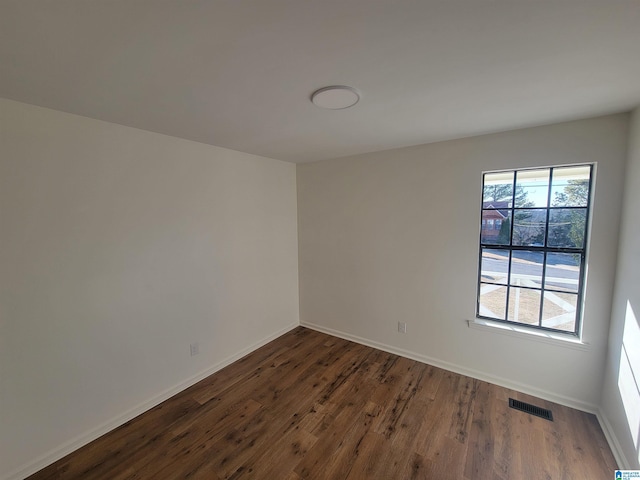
[612, 440]
[503, 382]
[83, 439]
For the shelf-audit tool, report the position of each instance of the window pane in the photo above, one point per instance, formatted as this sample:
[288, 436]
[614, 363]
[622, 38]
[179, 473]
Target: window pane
[498, 187]
[526, 268]
[496, 226]
[532, 188]
[524, 305]
[570, 187]
[493, 301]
[528, 228]
[495, 266]
[563, 272]
[567, 227]
[559, 311]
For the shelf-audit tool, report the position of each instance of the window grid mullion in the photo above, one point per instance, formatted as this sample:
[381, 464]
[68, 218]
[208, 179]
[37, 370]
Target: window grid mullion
[531, 248]
[544, 243]
[510, 256]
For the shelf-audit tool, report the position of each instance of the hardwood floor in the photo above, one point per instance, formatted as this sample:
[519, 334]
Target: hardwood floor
[312, 406]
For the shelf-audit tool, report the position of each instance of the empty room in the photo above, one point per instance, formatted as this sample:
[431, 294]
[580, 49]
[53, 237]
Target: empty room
[356, 239]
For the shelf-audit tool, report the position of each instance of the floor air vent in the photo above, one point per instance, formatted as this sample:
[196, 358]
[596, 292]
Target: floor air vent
[531, 409]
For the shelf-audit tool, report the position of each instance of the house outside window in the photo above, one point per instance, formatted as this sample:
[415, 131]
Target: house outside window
[533, 246]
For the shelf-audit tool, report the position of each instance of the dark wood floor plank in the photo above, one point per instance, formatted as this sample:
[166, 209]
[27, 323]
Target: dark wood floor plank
[186, 447]
[350, 446]
[483, 433]
[404, 388]
[312, 406]
[122, 445]
[282, 456]
[415, 469]
[447, 460]
[345, 417]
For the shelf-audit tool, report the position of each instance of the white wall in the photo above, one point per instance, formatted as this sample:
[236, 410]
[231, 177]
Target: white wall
[119, 248]
[621, 390]
[393, 236]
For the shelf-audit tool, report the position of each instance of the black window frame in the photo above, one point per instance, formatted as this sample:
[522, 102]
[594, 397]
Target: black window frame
[544, 248]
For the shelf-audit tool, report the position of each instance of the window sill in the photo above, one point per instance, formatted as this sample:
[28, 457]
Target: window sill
[518, 331]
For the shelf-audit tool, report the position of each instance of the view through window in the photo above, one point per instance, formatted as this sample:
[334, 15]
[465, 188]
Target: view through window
[533, 246]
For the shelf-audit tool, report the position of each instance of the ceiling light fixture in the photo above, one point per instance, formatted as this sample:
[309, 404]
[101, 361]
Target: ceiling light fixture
[335, 97]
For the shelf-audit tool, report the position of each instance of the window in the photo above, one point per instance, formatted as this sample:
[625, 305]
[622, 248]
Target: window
[532, 264]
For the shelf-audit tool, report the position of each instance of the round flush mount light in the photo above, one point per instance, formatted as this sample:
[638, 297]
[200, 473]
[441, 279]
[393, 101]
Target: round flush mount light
[335, 97]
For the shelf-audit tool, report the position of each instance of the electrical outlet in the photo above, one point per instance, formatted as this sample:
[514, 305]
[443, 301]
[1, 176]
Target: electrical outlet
[195, 349]
[402, 327]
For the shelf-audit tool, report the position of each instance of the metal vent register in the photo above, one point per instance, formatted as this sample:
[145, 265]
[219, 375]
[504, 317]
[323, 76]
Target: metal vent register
[531, 409]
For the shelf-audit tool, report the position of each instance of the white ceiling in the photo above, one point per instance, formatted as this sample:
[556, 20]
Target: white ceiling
[239, 73]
